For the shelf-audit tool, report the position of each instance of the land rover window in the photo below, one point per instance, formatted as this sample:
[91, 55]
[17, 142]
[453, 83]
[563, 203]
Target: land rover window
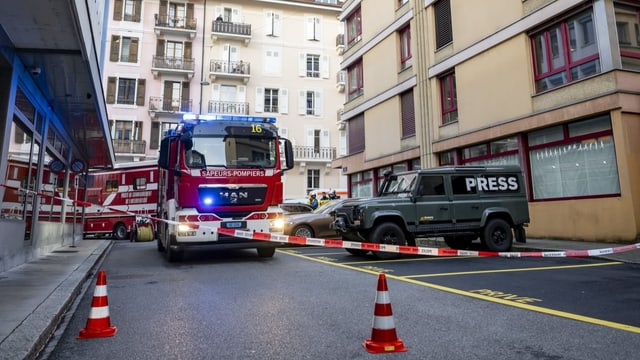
[431, 185]
[459, 185]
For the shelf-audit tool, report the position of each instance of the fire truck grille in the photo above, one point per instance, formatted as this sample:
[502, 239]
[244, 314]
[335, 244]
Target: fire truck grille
[232, 197]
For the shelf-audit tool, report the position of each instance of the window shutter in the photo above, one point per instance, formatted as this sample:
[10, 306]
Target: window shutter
[324, 66]
[408, 114]
[235, 15]
[215, 92]
[277, 28]
[302, 65]
[185, 105]
[160, 47]
[241, 94]
[115, 48]
[111, 90]
[189, 12]
[140, 92]
[442, 10]
[137, 10]
[117, 10]
[302, 102]
[324, 138]
[259, 107]
[309, 33]
[283, 101]
[133, 50]
[154, 140]
[187, 50]
[317, 106]
[309, 138]
[356, 134]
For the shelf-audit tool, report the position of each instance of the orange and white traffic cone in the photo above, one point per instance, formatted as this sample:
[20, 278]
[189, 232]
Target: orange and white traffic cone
[383, 334]
[99, 324]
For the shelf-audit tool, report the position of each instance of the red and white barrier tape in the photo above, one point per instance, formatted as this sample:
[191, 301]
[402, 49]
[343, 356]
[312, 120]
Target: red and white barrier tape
[335, 243]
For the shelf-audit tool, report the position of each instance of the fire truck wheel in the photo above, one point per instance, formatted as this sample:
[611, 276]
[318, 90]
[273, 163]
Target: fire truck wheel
[159, 244]
[172, 254]
[120, 231]
[266, 252]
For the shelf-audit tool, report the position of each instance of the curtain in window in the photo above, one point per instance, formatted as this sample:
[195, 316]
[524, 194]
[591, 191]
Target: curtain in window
[585, 168]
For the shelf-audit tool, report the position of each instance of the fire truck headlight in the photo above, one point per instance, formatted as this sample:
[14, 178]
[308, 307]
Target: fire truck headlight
[277, 224]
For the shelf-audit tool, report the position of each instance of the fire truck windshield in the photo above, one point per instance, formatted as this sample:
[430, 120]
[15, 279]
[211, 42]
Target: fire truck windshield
[232, 152]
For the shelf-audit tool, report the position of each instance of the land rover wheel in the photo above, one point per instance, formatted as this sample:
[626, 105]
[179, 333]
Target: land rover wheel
[458, 242]
[497, 235]
[388, 234]
[266, 252]
[120, 231]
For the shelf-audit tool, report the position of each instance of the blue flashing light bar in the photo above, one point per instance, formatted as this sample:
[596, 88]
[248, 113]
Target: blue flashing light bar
[209, 117]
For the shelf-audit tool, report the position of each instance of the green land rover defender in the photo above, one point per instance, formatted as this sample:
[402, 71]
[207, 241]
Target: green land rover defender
[458, 203]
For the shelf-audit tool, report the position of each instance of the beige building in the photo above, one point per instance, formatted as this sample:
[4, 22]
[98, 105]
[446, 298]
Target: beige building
[553, 86]
[247, 57]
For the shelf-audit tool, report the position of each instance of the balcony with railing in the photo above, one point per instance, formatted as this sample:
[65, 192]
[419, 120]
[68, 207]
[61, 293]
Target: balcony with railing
[170, 65]
[129, 146]
[313, 153]
[169, 25]
[231, 31]
[340, 44]
[228, 107]
[173, 107]
[341, 80]
[231, 70]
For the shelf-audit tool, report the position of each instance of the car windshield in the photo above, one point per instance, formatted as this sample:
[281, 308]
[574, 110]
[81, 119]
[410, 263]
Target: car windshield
[326, 207]
[399, 184]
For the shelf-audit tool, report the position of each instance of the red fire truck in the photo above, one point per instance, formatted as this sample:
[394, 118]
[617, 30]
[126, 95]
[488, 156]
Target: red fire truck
[119, 198]
[220, 171]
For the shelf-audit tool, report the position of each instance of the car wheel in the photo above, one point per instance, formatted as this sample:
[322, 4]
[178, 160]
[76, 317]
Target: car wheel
[266, 252]
[357, 252]
[389, 234]
[458, 242]
[497, 235]
[120, 231]
[303, 231]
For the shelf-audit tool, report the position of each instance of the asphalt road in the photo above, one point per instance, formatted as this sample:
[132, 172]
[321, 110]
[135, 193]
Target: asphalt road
[318, 303]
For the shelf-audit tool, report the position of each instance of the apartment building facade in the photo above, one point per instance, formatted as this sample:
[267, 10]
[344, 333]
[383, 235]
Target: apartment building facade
[265, 58]
[382, 96]
[553, 86]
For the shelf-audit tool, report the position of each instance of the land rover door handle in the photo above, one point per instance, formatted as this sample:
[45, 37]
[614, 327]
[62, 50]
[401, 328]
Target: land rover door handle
[444, 208]
[476, 207]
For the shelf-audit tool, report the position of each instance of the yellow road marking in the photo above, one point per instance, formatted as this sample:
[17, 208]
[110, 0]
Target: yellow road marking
[529, 307]
[513, 270]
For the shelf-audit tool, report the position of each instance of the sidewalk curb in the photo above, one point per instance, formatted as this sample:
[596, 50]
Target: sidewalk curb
[39, 326]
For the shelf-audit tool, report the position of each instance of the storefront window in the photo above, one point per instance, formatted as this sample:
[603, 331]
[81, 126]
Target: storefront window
[362, 184]
[582, 164]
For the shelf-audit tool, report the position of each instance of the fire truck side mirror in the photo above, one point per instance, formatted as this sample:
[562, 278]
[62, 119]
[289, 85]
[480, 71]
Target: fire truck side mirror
[288, 153]
[163, 156]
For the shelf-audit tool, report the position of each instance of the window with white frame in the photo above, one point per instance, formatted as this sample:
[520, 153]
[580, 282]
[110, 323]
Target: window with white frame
[271, 100]
[574, 160]
[310, 102]
[126, 130]
[124, 49]
[127, 10]
[313, 65]
[313, 179]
